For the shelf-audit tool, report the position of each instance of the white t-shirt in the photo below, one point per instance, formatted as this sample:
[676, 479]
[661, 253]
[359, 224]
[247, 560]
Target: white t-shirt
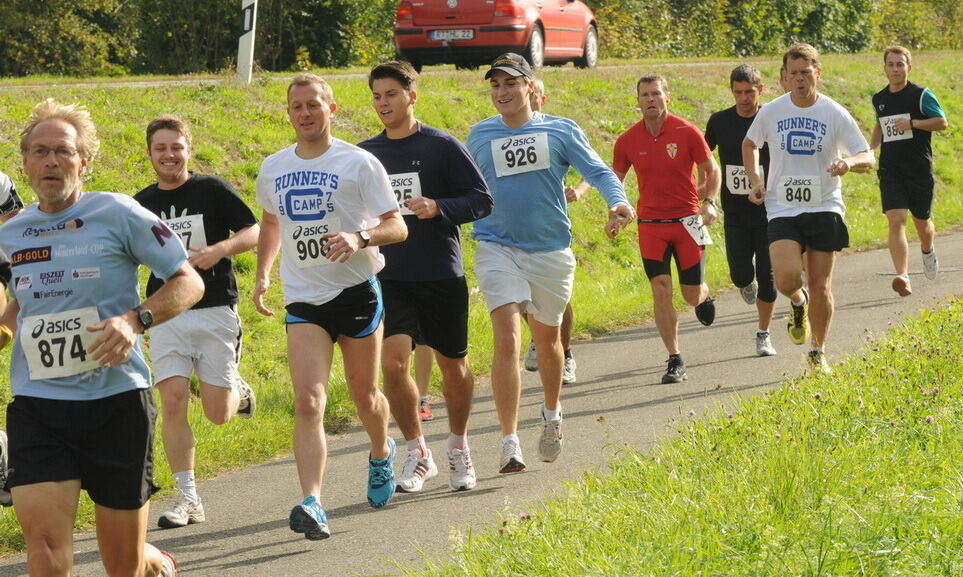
[803, 142]
[345, 189]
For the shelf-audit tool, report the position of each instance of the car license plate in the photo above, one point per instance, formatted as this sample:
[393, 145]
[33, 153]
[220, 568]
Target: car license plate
[452, 34]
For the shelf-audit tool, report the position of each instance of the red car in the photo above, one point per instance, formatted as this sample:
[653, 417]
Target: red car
[470, 33]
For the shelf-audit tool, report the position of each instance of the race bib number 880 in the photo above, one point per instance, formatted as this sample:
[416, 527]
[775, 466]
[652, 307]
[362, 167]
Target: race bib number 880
[888, 126]
[521, 153]
[56, 344]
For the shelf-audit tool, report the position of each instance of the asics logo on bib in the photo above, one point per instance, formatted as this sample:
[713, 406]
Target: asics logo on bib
[309, 231]
[520, 141]
[56, 327]
[405, 181]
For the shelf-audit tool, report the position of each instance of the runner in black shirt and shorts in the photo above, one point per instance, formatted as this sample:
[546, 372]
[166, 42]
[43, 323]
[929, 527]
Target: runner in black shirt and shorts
[745, 222]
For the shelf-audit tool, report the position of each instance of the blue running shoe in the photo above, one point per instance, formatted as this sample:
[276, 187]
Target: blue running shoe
[309, 518]
[381, 478]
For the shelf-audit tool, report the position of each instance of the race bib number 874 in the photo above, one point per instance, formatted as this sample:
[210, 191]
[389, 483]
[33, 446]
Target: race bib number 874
[521, 153]
[56, 344]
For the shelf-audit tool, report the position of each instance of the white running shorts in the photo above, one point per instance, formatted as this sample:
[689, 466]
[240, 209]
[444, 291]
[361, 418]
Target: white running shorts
[541, 282]
[205, 341]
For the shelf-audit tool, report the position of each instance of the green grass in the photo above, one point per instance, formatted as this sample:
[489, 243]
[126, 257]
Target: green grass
[856, 474]
[235, 126]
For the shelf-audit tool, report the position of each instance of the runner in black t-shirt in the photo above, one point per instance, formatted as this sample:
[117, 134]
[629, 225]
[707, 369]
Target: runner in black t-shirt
[203, 211]
[906, 117]
[745, 222]
[438, 188]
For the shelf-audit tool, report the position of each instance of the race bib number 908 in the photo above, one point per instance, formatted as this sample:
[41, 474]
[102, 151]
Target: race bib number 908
[56, 344]
[800, 191]
[521, 153]
[305, 242]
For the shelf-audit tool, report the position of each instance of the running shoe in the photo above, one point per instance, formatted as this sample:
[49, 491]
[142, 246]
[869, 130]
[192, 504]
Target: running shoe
[184, 512]
[798, 325]
[568, 371]
[901, 284]
[248, 403]
[309, 518]
[381, 478]
[748, 293]
[424, 412]
[462, 471]
[931, 264]
[6, 499]
[764, 346]
[168, 565]
[706, 311]
[550, 441]
[511, 460]
[531, 358]
[415, 471]
[818, 363]
[675, 373]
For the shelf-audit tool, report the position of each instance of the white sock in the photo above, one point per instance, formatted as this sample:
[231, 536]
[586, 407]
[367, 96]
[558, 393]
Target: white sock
[424, 400]
[804, 302]
[185, 482]
[418, 443]
[457, 442]
[816, 350]
[511, 437]
[555, 415]
[762, 332]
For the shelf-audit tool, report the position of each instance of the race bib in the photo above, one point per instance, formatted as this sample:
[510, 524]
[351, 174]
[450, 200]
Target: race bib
[800, 191]
[696, 229]
[519, 154]
[736, 180]
[190, 229]
[888, 125]
[56, 344]
[305, 243]
[406, 186]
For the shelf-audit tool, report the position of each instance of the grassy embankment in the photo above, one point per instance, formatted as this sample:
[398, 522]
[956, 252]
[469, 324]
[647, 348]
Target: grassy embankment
[235, 126]
[855, 474]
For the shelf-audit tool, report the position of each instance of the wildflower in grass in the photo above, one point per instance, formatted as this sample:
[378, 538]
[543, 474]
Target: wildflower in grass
[691, 413]
[818, 396]
[524, 516]
[930, 419]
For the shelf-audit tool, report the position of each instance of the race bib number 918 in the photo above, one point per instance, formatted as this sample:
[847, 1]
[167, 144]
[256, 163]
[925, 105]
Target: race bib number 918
[520, 154]
[800, 191]
[305, 242]
[56, 344]
[736, 180]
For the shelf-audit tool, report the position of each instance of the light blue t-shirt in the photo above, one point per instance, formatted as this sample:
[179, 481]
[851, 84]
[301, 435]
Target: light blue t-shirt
[525, 169]
[72, 264]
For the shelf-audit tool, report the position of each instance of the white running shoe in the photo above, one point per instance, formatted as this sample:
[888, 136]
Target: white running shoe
[818, 363]
[462, 471]
[183, 513]
[931, 264]
[764, 346]
[901, 284]
[6, 499]
[550, 441]
[511, 460]
[415, 471]
[531, 358]
[568, 371]
[748, 293]
[248, 403]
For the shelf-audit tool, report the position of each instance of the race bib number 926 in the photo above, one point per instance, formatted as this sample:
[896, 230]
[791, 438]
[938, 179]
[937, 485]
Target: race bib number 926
[521, 153]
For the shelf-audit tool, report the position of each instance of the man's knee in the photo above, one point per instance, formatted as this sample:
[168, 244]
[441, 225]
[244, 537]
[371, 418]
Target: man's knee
[661, 287]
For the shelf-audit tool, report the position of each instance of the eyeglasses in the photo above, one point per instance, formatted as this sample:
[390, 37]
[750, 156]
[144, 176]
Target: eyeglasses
[61, 152]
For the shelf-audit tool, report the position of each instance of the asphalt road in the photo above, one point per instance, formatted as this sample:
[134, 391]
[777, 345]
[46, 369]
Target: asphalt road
[618, 401]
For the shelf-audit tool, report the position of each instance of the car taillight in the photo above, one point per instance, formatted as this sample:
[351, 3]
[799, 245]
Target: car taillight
[405, 12]
[507, 8]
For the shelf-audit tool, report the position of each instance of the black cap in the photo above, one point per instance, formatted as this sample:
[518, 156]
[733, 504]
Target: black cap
[513, 64]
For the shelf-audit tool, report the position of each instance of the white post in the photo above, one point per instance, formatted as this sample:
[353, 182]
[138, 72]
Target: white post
[245, 45]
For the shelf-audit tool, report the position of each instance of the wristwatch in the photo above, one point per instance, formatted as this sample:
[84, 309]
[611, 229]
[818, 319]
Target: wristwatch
[711, 201]
[144, 317]
[365, 238]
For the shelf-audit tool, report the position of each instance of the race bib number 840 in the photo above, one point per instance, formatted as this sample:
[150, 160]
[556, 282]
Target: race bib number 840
[521, 153]
[56, 344]
[800, 191]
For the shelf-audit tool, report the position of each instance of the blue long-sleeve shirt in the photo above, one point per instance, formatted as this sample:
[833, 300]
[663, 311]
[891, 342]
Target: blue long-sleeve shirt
[530, 210]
